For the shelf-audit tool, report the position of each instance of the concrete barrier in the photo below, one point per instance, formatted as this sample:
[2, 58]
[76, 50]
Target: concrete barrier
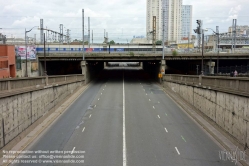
[19, 111]
[27, 82]
[224, 100]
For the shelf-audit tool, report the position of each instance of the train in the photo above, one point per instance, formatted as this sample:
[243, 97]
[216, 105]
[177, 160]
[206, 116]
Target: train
[96, 48]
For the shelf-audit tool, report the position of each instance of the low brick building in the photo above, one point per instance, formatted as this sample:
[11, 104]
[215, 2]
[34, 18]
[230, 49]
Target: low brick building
[7, 61]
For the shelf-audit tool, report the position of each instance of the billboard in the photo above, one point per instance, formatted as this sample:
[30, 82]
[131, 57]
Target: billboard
[31, 52]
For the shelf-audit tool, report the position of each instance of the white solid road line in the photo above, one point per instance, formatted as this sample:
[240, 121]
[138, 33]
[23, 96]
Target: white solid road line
[72, 150]
[153, 107]
[124, 137]
[166, 130]
[90, 115]
[177, 151]
[158, 116]
[83, 129]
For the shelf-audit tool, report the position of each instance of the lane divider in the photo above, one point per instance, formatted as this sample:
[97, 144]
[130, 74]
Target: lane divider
[166, 130]
[183, 138]
[158, 116]
[72, 150]
[177, 151]
[83, 129]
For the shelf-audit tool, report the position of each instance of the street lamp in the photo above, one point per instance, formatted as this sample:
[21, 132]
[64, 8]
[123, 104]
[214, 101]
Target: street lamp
[26, 72]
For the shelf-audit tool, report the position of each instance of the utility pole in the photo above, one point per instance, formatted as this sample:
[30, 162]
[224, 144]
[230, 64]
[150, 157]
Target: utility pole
[202, 53]
[45, 67]
[218, 46]
[235, 33]
[154, 33]
[61, 33]
[41, 31]
[88, 32]
[188, 40]
[83, 34]
[163, 31]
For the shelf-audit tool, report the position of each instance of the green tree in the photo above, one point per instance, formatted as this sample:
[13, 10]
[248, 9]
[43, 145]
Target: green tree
[112, 42]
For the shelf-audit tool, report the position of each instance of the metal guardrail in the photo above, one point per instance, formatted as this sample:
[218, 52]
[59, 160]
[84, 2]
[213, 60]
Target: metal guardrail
[239, 85]
[20, 83]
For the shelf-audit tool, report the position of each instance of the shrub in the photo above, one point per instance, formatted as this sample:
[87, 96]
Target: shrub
[174, 53]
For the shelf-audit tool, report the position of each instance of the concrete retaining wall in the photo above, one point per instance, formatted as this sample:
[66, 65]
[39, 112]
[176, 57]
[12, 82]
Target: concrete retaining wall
[18, 112]
[229, 111]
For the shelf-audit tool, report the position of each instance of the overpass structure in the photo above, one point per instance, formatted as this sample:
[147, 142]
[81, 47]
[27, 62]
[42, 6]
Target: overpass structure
[181, 63]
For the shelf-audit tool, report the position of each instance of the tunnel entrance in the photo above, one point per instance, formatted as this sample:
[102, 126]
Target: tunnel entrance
[61, 67]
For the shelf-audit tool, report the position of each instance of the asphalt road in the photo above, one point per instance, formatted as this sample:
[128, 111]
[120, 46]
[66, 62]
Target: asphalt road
[124, 119]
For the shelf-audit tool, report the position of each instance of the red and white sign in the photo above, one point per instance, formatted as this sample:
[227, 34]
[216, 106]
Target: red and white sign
[31, 52]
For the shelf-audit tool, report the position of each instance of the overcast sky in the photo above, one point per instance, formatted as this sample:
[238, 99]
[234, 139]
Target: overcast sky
[122, 19]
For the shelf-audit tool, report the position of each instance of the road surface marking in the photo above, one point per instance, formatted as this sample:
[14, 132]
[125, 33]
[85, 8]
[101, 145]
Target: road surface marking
[166, 114]
[144, 89]
[159, 102]
[95, 106]
[90, 115]
[177, 151]
[146, 94]
[72, 150]
[83, 129]
[124, 139]
[98, 98]
[149, 99]
[183, 138]
[158, 116]
[153, 107]
[101, 93]
[166, 130]
[103, 89]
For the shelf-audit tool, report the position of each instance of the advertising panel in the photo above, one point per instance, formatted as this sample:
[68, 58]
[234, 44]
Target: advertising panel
[31, 52]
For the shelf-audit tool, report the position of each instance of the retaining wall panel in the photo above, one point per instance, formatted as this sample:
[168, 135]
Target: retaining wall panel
[242, 106]
[20, 111]
[220, 116]
[228, 121]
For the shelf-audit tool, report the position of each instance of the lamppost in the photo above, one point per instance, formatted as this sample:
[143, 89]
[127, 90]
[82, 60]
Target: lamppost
[26, 66]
